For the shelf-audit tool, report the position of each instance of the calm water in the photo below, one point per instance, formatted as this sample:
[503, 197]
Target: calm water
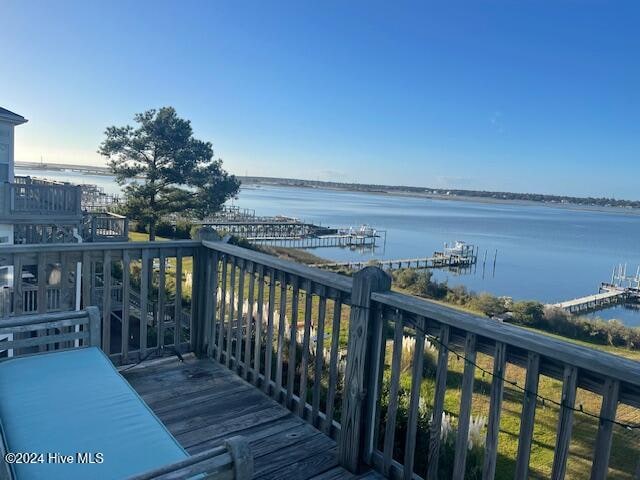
[548, 254]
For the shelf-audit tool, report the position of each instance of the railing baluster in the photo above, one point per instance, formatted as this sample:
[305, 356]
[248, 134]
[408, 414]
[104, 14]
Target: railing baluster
[144, 297]
[87, 285]
[495, 406]
[565, 422]
[317, 369]
[304, 364]
[438, 404]
[106, 303]
[66, 289]
[161, 297]
[249, 322]
[42, 283]
[392, 410]
[281, 327]
[460, 459]
[223, 308]
[41, 293]
[333, 361]
[177, 307]
[232, 286]
[527, 419]
[18, 295]
[608, 410]
[414, 401]
[291, 367]
[257, 347]
[240, 308]
[268, 350]
[126, 262]
[378, 352]
[209, 298]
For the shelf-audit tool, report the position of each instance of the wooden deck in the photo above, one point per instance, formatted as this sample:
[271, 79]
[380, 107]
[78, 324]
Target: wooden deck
[201, 403]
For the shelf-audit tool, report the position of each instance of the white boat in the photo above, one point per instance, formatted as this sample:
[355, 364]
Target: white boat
[458, 248]
[364, 230]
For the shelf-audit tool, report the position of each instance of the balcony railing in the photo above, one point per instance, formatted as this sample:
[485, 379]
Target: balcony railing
[27, 199]
[105, 227]
[350, 357]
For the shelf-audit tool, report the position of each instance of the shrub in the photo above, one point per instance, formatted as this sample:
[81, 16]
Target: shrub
[183, 229]
[164, 229]
[405, 277]
[438, 290]
[612, 332]
[458, 295]
[489, 304]
[528, 313]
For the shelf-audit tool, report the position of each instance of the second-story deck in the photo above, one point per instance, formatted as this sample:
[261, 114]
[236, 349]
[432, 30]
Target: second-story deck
[32, 200]
[298, 358]
[44, 211]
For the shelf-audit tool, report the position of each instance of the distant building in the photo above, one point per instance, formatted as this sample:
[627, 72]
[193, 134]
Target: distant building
[8, 122]
[35, 210]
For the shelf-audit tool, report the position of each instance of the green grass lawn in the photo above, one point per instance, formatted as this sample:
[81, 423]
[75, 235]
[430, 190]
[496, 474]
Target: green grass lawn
[144, 237]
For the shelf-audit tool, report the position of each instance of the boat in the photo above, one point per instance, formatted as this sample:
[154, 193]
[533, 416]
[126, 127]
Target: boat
[459, 248]
[364, 230]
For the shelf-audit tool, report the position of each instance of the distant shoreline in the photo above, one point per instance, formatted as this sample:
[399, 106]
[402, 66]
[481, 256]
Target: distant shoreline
[456, 198]
[345, 187]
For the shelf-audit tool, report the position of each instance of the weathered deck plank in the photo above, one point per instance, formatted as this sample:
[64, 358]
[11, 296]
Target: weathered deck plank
[201, 402]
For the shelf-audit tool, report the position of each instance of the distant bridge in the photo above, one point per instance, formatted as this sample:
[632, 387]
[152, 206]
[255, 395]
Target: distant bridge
[93, 169]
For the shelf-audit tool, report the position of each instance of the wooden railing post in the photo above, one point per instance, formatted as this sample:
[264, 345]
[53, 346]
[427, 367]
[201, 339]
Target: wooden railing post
[198, 299]
[358, 404]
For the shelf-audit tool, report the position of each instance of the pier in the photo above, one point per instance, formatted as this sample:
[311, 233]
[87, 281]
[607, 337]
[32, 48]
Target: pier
[436, 261]
[337, 240]
[623, 288]
[290, 232]
[268, 229]
[598, 301]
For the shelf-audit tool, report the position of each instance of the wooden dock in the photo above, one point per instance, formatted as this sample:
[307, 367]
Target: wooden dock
[438, 261]
[201, 402]
[339, 240]
[607, 297]
[267, 228]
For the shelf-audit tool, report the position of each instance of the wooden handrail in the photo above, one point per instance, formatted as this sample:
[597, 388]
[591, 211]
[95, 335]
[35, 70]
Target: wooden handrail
[97, 247]
[603, 363]
[331, 279]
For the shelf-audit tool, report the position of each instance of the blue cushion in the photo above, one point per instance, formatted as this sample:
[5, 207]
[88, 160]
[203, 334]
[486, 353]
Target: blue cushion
[76, 401]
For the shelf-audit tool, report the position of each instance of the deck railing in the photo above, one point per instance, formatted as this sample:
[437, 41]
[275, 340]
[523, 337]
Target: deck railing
[273, 321]
[351, 357]
[105, 227]
[308, 312]
[23, 201]
[112, 275]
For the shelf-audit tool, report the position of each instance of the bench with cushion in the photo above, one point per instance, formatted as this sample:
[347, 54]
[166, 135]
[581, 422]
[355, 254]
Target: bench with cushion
[75, 401]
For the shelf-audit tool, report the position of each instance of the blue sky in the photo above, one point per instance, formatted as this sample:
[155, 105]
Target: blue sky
[539, 96]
